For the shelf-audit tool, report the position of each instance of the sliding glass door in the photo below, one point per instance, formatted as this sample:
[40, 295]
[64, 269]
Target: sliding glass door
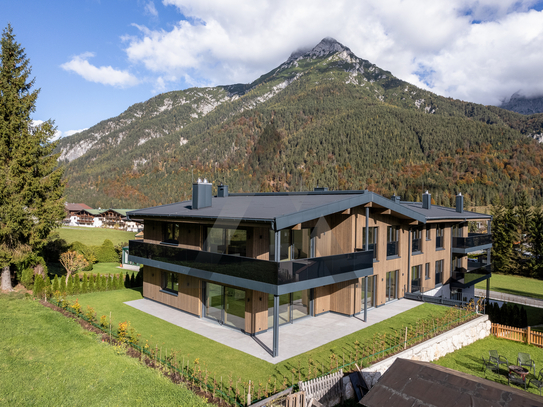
[291, 307]
[225, 305]
[370, 299]
[391, 285]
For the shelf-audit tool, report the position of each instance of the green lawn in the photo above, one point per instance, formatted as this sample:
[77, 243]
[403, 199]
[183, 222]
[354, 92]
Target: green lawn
[515, 285]
[47, 359]
[468, 359]
[94, 236]
[222, 360]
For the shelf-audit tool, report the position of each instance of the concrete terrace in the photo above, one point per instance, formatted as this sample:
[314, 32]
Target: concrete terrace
[294, 339]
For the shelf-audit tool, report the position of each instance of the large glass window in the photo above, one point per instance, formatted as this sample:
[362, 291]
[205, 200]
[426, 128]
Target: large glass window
[301, 244]
[226, 305]
[415, 278]
[416, 240]
[391, 285]
[295, 244]
[170, 232]
[393, 237]
[227, 241]
[372, 240]
[291, 307]
[169, 282]
[439, 272]
[440, 231]
[370, 299]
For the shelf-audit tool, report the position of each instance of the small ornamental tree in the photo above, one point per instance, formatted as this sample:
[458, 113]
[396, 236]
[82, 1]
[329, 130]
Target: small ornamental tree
[56, 286]
[84, 284]
[70, 286]
[76, 284]
[72, 261]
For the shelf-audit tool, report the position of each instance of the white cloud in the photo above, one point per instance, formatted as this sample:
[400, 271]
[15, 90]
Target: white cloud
[105, 75]
[151, 9]
[237, 41]
[72, 132]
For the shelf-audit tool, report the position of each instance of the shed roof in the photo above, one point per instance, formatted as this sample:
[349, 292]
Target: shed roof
[409, 383]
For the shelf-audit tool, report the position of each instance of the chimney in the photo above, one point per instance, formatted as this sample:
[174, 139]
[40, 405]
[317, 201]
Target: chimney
[426, 200]
[201, 194]
[222, 191]
[395, 199]
[459, 203]
[320, 189]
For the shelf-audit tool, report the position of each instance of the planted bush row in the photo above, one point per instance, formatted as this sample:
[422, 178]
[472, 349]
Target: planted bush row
[85, 283]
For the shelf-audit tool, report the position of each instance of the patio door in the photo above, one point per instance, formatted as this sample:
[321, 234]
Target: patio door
[226, 305]
[391, 285]
[370, 299]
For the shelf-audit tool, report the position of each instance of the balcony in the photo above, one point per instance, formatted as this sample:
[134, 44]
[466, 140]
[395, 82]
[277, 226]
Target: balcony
[245, 272]
[472, 243]
[462, 278]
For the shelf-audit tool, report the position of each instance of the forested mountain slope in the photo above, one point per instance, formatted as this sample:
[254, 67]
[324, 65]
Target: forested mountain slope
[323, 117]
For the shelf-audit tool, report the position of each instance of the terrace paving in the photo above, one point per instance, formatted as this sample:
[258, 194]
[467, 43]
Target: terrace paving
[294, 339]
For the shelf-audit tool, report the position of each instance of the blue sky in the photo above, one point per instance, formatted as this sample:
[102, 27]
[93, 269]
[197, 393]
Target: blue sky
[92, 59]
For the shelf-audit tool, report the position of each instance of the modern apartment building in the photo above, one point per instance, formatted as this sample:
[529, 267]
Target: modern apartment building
[255, 261]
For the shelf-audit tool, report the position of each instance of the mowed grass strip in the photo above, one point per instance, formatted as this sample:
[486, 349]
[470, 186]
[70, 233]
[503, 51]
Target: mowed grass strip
[469, 358]
[47, 359]
[94, 236]
[224, 361]
[515, 285]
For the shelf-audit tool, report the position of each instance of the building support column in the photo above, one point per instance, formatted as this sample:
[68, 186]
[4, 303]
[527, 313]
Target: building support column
[275, 351]
[487, 292]
[366, 297]
[409, 261]
[367, 246]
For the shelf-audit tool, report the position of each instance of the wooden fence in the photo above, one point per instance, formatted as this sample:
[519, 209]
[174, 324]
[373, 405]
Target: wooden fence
[525, 335]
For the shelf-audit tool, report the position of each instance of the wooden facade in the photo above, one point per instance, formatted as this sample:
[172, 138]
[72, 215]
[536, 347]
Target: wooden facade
[339, 233]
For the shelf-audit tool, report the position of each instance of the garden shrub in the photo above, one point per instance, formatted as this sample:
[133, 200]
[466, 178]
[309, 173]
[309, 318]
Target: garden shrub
[84, 284]
[62, 285]
[70, 286]
[87, 252]
[39, 286]
[48, 287]
[76, 284]
[56, 286]
[106, 253]
[27, 277]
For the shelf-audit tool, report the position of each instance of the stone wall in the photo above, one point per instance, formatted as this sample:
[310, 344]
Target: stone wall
[434, 348]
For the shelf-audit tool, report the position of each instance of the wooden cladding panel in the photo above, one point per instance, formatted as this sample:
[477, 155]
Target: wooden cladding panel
[256, 311]
[190, 236]
[258, 245]
[335, 235]
[188, 297]
[322, 299]
[342, 297]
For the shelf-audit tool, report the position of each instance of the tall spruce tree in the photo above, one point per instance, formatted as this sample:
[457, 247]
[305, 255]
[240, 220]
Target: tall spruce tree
[31, 189]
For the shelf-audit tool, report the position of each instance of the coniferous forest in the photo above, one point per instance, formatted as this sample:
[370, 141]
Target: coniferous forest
[334, 120]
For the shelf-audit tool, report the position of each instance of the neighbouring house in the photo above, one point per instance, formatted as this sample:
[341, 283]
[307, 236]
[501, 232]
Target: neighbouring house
[409, 383]
[83, 215]
[256, 261]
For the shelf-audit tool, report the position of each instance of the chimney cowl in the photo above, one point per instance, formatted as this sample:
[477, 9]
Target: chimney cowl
[459, 203]
[201, 194]
[396, 199]
[426, 200]
[222, 191]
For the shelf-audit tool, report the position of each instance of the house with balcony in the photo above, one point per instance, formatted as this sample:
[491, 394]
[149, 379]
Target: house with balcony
[256, 261]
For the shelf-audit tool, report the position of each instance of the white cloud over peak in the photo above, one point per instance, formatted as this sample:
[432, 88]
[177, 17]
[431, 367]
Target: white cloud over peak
[479, 51]
[106, 75]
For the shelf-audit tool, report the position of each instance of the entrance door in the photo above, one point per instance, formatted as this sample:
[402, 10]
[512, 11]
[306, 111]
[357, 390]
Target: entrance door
[214, 301]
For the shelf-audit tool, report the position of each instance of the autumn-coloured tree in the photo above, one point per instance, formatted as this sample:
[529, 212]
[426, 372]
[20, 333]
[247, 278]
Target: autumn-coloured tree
[72, 261]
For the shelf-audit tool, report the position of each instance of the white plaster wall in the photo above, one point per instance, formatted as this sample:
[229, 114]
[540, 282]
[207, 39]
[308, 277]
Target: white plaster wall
[434, 348]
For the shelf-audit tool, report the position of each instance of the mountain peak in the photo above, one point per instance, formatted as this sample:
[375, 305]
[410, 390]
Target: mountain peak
[327, 46]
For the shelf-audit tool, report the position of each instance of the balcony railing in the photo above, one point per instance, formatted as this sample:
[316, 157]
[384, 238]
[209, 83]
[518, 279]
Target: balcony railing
[392, 249]
[416, 245]
[473, 240]
[270, 272]
[462, 278]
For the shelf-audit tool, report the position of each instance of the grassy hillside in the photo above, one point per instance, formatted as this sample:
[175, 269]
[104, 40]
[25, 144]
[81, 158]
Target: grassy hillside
[94, 236]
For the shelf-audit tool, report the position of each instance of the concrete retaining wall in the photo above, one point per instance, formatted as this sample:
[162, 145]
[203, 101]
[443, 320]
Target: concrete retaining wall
[434, 348]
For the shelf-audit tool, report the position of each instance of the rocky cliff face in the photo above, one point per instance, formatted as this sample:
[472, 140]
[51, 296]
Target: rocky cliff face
[524, 105]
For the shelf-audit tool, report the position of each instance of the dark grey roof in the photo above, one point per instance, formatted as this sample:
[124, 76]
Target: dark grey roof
[283, 210]
[409, 383]
[442, 212]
